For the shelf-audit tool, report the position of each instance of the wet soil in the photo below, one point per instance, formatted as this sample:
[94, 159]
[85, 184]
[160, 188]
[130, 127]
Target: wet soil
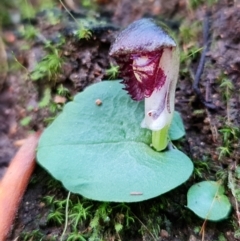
[85, 62]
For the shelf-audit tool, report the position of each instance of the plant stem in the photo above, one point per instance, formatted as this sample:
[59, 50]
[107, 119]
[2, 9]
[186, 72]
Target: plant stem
[160, 139]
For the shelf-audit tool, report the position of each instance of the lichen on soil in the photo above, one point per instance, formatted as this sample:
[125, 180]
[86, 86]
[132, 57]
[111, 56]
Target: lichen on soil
[212, 139]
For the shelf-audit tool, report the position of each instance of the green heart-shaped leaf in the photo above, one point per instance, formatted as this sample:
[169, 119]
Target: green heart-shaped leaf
[177, 130]
[207, 200]
[102, 153]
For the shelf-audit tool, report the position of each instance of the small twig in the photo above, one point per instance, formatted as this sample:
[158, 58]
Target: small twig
[66, 9]
[207, 92]
[42, 39]
[213, 127]
[202, 231]
[228, 46]
[206, 43]
[66, 217]
[144, 226]
[231, 185]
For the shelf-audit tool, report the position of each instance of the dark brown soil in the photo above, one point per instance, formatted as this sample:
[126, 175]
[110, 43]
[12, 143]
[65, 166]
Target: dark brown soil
[85, 62]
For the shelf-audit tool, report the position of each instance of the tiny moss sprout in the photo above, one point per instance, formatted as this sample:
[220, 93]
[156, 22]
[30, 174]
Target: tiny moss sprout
[83, 33]
[48, 67]
[33, 235]
[29, 32]
[113, 71]
[25, 121]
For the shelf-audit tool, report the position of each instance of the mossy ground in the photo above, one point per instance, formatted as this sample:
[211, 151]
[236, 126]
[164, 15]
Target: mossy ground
[51, 58]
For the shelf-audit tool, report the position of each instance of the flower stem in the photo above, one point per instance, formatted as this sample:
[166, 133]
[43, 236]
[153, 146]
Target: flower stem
[160, 139]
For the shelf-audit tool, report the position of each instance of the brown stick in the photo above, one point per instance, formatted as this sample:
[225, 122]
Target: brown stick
[14, 183]
[200, 68]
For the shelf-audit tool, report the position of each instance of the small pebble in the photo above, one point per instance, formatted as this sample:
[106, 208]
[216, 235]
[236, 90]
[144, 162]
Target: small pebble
[42, 205]
[206, 120]
[59, 99]
[98, 102]
[164, 233]
[192, 238]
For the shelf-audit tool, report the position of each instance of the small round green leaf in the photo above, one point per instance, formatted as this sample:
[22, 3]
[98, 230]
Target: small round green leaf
[207, 200]
[99, 150]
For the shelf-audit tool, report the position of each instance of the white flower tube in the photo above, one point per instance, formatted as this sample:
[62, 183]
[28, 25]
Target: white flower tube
[159, 107]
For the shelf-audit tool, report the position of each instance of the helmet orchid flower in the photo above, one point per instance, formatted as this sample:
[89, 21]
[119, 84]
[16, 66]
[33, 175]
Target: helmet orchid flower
[149, 64]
